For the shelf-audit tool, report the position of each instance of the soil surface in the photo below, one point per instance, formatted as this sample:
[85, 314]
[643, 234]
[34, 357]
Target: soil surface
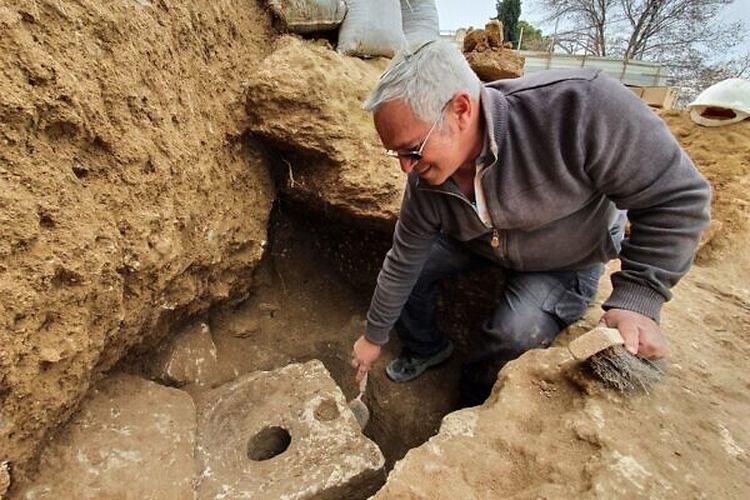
[305, 101]
[130, 199]
[722, 154]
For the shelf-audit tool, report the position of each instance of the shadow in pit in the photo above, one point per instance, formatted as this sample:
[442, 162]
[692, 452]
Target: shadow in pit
[308, 301]
[312, 250]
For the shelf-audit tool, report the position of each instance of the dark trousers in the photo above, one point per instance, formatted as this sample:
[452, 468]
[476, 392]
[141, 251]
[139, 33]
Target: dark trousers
[535, 307]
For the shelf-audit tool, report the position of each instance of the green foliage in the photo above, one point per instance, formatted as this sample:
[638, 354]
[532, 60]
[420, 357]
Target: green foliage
[508, 12]
[533, 38]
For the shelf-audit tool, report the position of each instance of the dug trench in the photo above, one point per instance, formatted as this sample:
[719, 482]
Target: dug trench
[309, 297]
[309, 300]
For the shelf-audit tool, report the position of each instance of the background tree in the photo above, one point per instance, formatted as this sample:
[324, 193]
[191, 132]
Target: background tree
[533, 38]
[588, 21]
[686, 36]
[508, 12]
[658, 27]
[695, 73]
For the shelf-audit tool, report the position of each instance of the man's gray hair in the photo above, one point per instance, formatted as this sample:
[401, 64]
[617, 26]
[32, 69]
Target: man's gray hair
[426, 79]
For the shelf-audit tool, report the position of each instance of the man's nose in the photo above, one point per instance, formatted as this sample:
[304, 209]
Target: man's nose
[407, 164]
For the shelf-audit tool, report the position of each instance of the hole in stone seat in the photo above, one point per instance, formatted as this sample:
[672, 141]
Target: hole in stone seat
[327, 410]
[268, 443]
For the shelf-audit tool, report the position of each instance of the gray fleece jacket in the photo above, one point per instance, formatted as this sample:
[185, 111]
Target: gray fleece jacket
[567, 150]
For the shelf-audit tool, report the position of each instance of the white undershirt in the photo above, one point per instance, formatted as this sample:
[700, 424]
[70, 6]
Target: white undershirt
[480, 202]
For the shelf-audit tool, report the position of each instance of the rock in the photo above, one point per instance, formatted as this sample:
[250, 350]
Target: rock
[542, 434]
[491, 65]
[190, 358]
[306, 100]
[129, 201]
[475, 40]
[489, 38]
[487, 55]
[4, 478]
[132, 439]
[284, 434]
[494, 32]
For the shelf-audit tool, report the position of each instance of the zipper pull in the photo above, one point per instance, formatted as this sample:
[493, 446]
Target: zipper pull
[495, 238]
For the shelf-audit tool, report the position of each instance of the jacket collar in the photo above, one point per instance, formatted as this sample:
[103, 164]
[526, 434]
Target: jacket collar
[495, 113]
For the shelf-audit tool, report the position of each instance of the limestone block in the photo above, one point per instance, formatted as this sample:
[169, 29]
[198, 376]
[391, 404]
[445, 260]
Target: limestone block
[496, 64]
[475, 39]
[284, 434]
[487, 55]
[494, 32]
[191, 358]
[306, 101]
[489, 38]
[132, 439]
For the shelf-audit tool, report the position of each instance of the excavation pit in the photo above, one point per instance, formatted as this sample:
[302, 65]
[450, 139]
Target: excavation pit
[318, 277]
[271, 421]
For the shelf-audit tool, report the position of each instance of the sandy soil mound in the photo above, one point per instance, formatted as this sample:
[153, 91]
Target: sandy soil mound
[128, 199]
[306, 100]
[722, 154]
[550, 431]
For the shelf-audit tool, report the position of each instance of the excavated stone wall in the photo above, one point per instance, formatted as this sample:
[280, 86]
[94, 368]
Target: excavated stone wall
[129, 198]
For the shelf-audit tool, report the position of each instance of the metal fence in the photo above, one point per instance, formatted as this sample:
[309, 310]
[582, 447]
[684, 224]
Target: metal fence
[634, 73]
[638, 73]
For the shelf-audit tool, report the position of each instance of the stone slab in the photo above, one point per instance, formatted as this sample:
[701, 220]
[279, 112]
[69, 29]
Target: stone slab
[191, 358]
[296, 413]
[133, 439]
[305, 100]
[496, 64]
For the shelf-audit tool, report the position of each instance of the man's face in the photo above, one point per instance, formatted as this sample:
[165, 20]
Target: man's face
[401, 131]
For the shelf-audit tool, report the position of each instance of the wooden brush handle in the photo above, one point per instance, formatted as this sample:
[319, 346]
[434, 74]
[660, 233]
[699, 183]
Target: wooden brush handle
[595, 341]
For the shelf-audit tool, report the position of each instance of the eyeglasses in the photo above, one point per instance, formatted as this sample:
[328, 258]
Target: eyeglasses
[415, 155]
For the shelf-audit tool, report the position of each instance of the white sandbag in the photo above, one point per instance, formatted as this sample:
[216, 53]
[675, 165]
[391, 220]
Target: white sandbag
[306, 16]
[371, 28]
[420, 21]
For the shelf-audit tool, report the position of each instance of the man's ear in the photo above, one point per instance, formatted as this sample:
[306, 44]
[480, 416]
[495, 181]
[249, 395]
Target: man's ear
[463, 108]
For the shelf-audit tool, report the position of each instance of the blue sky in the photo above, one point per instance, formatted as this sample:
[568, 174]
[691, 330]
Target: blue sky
[463, 13]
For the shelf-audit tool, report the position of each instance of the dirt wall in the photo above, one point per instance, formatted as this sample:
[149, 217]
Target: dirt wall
[722, 154]
[128, 196]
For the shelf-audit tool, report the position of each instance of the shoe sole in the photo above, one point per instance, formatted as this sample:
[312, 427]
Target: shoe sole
[447, 352]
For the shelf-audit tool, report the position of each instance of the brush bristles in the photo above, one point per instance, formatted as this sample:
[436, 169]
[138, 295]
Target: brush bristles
[621, 370]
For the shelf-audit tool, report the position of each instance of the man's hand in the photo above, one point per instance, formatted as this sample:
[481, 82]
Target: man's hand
[364, 355]
[641, 334]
